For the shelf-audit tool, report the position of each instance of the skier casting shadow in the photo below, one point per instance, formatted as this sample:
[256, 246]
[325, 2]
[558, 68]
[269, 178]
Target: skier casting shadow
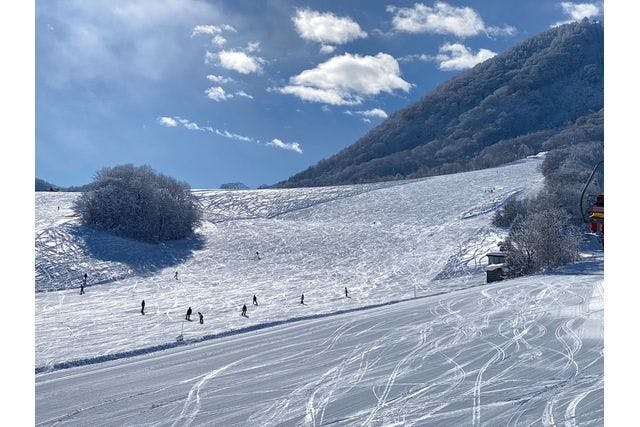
[255, 300]
[201, 318]
[142, 311]
[302, 299]
[188, 316]
[244, 310]
[346, 293]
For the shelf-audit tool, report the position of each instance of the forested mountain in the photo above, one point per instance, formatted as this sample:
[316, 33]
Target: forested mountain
[544, 93]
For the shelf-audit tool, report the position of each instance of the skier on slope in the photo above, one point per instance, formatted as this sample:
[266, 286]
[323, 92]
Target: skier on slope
[188, 316]
[257, 255]
[302, 299]
[201, 318]
[244, 310]
[255, 300]
[175, 276]
[346, 292]
[142, 311]
[82, 289]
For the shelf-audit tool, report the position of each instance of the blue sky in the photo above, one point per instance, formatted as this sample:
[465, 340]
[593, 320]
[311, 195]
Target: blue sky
[253, 91]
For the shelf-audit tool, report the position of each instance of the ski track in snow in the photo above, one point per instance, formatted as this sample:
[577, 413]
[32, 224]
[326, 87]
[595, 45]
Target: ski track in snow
[526, 351]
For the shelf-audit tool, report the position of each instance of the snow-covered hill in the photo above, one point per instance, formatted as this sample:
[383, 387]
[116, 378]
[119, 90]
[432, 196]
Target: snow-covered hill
[526, 350]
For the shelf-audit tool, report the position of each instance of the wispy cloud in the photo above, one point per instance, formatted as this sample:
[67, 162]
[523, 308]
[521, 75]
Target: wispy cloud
[211, 30]
[443, 18]
[168, 121]
[292, 146]
[232, 135]
[243, 94]
[102, 41]
[218, 94]
[346, 79]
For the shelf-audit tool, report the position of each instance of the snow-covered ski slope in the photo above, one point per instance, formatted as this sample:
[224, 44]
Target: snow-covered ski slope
[522, 352]
[472, 354]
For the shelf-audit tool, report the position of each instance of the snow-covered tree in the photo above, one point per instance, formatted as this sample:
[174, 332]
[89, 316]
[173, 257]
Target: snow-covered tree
[139, 203]
[543, 238]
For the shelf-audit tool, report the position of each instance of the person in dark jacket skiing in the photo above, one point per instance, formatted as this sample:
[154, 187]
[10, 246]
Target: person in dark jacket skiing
[302, 299]
[82, 289]
[85, 279]
[142, 311]
[244, 310]
[188, 316]
[346, 292]
[255, 300]
[201, 318]
[175, 276]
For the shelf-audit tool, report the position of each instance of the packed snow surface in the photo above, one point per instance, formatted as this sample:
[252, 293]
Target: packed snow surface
[516, 352]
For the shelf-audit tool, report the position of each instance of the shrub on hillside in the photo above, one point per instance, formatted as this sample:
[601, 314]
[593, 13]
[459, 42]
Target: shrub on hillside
[139, 203]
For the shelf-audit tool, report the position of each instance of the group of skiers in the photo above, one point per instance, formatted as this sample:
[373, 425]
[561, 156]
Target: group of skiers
[201, 317]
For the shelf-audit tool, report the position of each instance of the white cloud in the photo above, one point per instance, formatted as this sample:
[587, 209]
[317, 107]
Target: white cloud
[167, 121]
[243, 94]
[239, 61]
[458, 57]
[327, 48]
[205, 29]
[443, 18]
[293, 146]
[325, 96]
[217, 93]
[346, 79]
[326, 27]
[579, 11]
[375, 112]
[440, 19]
[219, 79]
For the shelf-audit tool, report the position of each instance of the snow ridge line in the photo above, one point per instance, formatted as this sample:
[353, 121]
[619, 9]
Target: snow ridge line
[232, 332]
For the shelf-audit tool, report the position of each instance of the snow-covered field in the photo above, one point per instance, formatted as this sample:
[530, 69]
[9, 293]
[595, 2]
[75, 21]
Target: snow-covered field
[517, 352]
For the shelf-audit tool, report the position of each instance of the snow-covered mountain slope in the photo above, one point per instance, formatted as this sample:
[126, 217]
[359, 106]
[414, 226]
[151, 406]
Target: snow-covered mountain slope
[383, 242]
[520, 352]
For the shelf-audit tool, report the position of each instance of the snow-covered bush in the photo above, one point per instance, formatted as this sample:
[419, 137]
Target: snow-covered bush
[139, 203]
[541, 239]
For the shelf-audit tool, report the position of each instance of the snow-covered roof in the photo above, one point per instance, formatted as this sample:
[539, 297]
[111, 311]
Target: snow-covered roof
[492, 267]
[496, 254]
